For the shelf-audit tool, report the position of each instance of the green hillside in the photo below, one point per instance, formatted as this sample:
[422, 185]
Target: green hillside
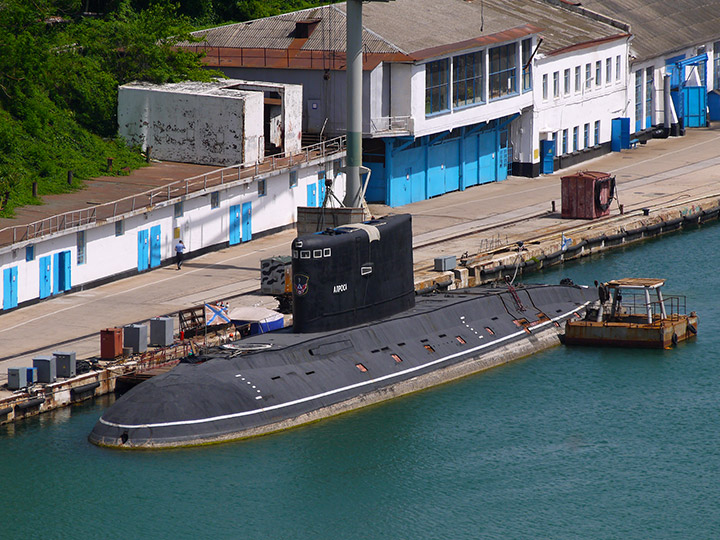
[61, 62]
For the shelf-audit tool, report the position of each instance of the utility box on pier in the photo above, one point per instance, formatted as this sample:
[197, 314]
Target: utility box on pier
[66, 364]
[17, 378]
[161, 331]
[46, 368]
[587, 195]
[136, 336]
[111, 343]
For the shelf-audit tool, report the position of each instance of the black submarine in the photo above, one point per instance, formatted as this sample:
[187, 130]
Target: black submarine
[360, 335]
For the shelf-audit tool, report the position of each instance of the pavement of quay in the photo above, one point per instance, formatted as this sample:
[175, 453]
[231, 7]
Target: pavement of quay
[660, 173]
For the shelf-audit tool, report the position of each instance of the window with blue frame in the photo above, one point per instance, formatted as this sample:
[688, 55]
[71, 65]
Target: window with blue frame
[503, 71]
[179, 209]
[29, 253]
[527, 65]
[702, 67]
[262, 190]
[608, 71]
[565, 141]
[649, 89]
[597, 131]
[586, 136]
[588, 76]
[468, 79]
[578, 79]
[638, 99]
[716, 64]
[81, 247]
[575, 139]
[437, 82]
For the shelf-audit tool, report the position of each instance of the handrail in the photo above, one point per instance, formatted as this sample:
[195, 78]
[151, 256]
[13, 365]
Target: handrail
[131, 203]
[390, 124]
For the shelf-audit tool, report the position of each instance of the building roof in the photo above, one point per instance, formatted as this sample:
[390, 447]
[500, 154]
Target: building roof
[401, 30]
[661, 27]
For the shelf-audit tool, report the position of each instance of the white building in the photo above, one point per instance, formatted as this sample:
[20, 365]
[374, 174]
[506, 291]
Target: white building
[678, 39]
[451, 93]
[225, 207]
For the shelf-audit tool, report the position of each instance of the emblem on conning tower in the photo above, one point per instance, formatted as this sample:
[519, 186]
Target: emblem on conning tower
[301, 284]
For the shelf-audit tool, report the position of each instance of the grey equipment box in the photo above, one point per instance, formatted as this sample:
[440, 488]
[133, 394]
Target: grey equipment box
[17, 378]
[161, 331]
[135, 336]
[66, 364]
[46, 368]
[443, 264]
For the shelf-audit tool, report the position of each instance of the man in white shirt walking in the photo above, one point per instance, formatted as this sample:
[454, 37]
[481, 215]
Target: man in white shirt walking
[179, 255]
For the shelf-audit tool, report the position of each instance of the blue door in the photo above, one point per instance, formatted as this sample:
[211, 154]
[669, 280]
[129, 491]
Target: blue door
[155, 246]
[246, 222]
[45, 267]
[436, 171]
[547, 156]
[312, 195]
[234, 224]
[61, 272]
[620, 137]
[143, 250]
[470, 174]
[451, 152]
[10, 293]
[486, 158]
[695, 106]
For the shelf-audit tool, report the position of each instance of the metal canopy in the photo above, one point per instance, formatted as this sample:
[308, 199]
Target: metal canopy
[636, 283]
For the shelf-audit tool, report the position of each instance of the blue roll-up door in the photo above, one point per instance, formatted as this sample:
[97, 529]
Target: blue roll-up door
[155, 254]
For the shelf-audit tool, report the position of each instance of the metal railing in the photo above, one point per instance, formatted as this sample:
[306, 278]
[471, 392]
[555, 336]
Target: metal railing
[390, 124]
[636, 305]
[148, 199]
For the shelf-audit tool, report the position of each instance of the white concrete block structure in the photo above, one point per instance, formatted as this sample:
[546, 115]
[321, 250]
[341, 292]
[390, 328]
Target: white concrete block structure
[220, 123]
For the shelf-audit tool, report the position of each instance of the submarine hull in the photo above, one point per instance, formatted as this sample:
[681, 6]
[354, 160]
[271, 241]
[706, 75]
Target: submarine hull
[291, 379]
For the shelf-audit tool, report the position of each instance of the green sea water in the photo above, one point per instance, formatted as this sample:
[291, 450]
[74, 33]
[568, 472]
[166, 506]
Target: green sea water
[572, 443]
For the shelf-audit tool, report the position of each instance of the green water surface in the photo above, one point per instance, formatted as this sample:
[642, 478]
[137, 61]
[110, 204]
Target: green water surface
[572, 443]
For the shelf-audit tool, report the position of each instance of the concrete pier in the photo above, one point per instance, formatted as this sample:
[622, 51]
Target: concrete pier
[662, 186]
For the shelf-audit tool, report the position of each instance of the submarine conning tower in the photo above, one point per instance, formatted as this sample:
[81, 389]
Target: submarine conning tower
[352, 274]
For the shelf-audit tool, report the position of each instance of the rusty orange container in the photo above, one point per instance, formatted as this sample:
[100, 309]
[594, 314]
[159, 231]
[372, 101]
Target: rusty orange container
[587, 195]
[111, 343]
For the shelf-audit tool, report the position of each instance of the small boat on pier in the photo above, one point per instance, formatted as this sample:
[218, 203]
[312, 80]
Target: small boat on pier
[626, 316]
